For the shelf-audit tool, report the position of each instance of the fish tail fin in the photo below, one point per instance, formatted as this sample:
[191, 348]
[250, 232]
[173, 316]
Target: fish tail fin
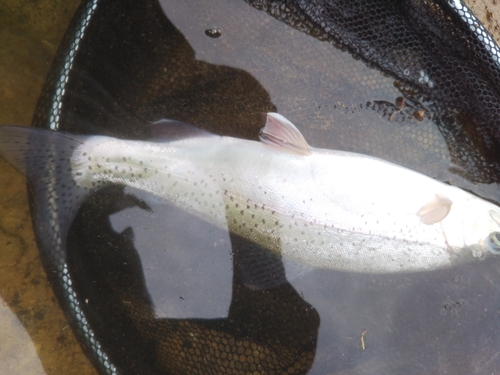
[44, 157]
[21, 146]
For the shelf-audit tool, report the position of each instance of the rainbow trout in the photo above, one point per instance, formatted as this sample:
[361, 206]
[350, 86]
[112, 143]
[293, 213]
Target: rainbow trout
[321, 208]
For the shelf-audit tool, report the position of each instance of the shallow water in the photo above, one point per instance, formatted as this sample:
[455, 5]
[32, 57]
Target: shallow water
[35, 336]
[29, 39]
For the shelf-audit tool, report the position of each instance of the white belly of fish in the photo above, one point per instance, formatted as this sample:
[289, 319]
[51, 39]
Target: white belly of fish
[328, 209]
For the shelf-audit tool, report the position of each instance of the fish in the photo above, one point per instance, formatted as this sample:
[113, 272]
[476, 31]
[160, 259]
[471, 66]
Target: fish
[319, 208]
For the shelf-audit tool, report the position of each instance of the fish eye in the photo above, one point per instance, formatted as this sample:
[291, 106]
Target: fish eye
[494, 243]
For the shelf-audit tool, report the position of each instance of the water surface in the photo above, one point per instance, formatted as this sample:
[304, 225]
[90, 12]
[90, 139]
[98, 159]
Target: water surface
[316, 90]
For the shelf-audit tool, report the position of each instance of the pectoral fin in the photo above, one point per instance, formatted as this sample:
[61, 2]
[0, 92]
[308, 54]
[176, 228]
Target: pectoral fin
[280, 132]
[435, 210]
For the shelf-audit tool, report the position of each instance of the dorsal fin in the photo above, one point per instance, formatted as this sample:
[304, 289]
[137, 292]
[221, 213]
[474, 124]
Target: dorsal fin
[435, 210]
[171, 130]
[280, 132]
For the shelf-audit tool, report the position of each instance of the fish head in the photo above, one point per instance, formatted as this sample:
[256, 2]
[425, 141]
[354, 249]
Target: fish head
[492, 241]
[482, 229]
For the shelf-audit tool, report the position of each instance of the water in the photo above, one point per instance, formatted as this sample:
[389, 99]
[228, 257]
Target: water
[310, 88]
[36, 338]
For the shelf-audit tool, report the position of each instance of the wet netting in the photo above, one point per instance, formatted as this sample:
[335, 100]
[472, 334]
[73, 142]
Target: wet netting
[415, 82]
[439, 53]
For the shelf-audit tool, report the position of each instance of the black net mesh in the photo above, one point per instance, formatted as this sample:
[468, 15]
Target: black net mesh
[443, 59]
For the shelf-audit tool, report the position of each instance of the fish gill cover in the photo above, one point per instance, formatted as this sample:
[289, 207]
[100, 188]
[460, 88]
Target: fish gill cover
[442, 60]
